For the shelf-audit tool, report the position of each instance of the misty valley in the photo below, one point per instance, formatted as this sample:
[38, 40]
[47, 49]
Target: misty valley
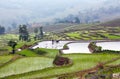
[60, 40]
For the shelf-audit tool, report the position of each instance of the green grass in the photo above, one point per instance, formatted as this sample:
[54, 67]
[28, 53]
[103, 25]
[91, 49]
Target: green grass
[21, 43]
[39, 52]
[7, 37]
[49, 52]
[85, 35]
[109, 70]
[73, 34]
[93, 59]
[112, 36]
[26, 65]
[27, 52]
[117, 62]
[36, 66]
[116, 70]
[80, 62]
[4, 59]
[99, 33]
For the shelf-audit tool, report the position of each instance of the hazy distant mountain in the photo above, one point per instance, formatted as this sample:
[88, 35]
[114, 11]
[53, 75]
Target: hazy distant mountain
[30, 11]
[112, 23]
[106, 11]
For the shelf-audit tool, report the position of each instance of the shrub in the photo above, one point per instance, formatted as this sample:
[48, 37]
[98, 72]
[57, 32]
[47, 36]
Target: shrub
[3, 49]
[110, 51]
[94, 48]
[40, 52]
[65, 46]
[25, 46]
[60, 61]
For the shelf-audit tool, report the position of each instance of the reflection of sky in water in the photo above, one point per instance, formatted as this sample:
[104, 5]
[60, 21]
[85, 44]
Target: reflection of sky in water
[77, 47]
[83, 47]
[48, 44]
[110, 45]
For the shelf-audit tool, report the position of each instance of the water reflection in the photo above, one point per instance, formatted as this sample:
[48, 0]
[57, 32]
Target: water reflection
[77, 47]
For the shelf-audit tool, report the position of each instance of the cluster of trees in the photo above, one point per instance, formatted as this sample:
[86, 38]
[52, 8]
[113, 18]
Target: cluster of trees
[23, 33]
[39, 33]
[24, 36]
[68, 19]
[2, 30]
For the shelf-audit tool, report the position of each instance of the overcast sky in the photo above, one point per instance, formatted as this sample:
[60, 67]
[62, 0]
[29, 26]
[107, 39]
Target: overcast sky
[38, 10]
[48, 3]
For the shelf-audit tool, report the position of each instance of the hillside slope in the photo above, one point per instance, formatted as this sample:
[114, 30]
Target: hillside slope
[112, 23]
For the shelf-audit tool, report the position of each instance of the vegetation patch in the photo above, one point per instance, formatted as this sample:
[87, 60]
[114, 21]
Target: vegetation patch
[109, 52]
[65, 47]
[80, 62]
[25, 47]
[39, 52]
[27, 52]
[4, 59]
[94, 48]
[46, 52]
[22, 65]
[106, 73]
[61, 61]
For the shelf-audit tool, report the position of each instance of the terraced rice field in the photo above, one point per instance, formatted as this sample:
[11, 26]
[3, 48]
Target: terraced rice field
[4, 59]
[89, 33]
[24, 65]
[39, 52]
[117, 62]
[42, 67]
[34, 65]
[92, 35]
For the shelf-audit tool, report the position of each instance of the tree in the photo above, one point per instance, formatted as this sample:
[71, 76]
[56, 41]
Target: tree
[36, 30]
[36, 33]
[24, 35]
[13, 45]
[14, 25]
[77, 20]
[9, 29]
[41, 32]
[2, 30]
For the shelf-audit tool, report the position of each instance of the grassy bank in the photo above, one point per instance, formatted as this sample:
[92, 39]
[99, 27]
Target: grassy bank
[26, 65]
[4, 59]
[80, 62]
[39, 52]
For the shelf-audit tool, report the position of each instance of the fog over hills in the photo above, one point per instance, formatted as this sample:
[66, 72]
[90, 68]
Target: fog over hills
[30, 11]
